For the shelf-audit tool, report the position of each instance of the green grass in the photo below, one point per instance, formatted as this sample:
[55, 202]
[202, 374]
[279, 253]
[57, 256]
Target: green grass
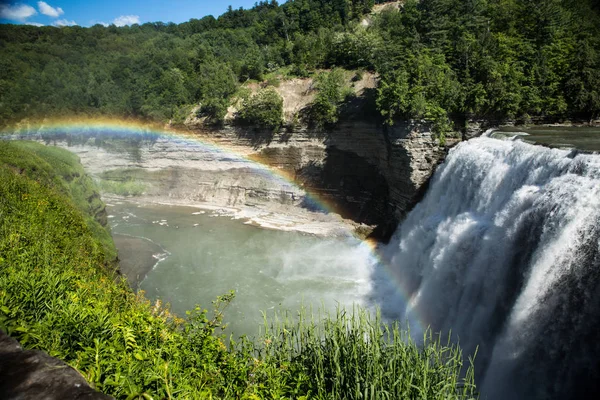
[60, 170]
[354, 355]
[123, 181]
[56, 296]
[123, 188]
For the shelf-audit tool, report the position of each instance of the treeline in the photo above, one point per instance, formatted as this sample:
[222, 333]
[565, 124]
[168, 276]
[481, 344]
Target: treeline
[439, 60]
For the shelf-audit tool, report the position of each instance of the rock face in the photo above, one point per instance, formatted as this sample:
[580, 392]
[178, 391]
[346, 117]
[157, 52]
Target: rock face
[362, 171]
[34, 375]
[369, 173]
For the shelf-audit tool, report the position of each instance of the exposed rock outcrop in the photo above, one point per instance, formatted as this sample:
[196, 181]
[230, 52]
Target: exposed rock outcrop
[34, 375]
[371, 174]
[363, 171]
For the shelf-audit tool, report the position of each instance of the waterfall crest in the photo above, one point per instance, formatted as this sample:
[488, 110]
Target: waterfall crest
[504, 250]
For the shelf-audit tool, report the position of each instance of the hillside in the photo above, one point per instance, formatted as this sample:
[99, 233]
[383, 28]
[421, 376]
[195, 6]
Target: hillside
[442, 61]
[62, 171]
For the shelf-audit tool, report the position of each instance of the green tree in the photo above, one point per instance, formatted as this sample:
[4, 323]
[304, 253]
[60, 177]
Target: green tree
[263, 110]
[325, 109]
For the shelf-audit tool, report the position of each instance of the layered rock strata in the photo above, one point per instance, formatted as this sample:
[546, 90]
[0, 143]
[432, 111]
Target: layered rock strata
[362, 171]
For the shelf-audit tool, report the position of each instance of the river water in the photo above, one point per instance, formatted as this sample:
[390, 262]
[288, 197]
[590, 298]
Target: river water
[579, 137]
[197, 255]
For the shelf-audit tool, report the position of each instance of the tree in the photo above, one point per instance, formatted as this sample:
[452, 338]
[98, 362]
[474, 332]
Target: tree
[264, 110]
[325, 109]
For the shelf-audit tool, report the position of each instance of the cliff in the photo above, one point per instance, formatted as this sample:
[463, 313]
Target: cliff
[367, 173]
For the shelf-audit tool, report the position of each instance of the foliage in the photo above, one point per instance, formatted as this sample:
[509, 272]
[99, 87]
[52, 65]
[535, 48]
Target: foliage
[465, 59]
[56, 296]
[354, 355]
[216, 84]
[124, 188]
[262, 110]
[331, 92]
[61, 169]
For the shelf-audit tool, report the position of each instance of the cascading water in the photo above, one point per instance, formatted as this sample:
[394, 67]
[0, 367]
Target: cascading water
[504, 251]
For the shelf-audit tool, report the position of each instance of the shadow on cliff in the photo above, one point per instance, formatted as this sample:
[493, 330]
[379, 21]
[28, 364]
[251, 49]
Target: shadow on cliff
[256, 137]
[351, 187]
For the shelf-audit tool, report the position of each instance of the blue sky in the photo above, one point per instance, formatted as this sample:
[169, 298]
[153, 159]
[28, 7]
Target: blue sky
[119, 12]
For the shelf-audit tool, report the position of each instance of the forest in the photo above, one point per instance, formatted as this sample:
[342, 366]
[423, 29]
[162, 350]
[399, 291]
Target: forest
[442, 61]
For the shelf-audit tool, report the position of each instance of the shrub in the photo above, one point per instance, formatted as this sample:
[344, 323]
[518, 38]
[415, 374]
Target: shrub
[263, 110]
[214, 109]
[274, 81]
[325, 109]
[128, 187]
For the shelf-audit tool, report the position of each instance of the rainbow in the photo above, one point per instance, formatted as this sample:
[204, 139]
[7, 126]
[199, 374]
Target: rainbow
[104, 126]
[46, 129]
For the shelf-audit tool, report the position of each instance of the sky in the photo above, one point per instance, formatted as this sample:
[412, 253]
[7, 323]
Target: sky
[118, 12]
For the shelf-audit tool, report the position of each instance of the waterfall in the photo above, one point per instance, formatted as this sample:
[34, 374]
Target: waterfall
[504, 251]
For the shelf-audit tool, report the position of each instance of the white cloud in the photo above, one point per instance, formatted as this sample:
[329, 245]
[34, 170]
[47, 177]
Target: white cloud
[16, 12]
[126, 20]
[34, 23]
[48, 10]
[64, 22]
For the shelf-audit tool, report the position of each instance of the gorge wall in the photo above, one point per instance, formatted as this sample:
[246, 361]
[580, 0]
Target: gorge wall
[371, 174]
[364, 172]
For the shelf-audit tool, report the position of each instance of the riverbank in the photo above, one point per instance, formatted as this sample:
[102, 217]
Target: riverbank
[282, 217]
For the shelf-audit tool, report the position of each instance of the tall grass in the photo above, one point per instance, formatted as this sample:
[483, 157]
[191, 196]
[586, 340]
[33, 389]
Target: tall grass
[355, 355]
[56, 296]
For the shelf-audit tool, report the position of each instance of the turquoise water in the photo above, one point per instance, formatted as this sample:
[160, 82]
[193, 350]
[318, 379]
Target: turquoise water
[202, 256]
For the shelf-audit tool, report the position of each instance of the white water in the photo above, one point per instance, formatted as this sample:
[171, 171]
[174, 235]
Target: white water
[504, 250]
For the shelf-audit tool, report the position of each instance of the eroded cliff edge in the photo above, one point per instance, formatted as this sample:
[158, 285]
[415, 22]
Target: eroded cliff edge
[365, 172]
[370, 173]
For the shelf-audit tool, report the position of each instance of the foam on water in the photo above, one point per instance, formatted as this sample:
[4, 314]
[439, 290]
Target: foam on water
[504, 250]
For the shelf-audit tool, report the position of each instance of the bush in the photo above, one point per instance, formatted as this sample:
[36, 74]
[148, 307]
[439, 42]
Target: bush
[214, 109]
[124, 188]
[325, 109]
[263, 110]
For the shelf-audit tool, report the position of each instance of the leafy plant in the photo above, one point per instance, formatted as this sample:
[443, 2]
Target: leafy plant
[264, 110]
[331, 92]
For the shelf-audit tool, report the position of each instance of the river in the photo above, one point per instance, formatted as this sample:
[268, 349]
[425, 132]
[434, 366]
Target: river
[195, 256]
